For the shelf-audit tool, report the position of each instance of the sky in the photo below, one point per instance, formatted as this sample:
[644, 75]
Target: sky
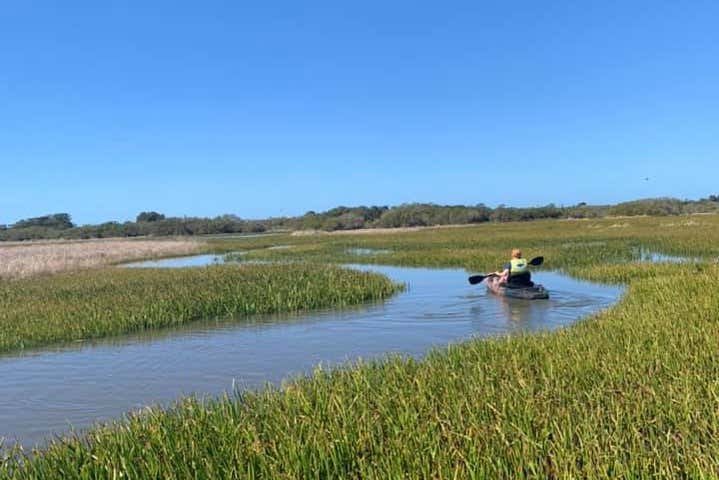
[279, 107]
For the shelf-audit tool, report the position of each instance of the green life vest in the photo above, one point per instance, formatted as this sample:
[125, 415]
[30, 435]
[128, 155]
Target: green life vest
[519, 266]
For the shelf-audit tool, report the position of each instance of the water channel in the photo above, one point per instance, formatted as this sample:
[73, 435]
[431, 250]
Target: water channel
[47, 392]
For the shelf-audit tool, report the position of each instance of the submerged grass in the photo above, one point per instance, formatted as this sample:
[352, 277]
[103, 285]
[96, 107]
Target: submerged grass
[98, 303]
[632, 392]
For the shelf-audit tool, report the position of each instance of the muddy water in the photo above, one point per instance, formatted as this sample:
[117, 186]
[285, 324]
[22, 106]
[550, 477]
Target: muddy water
[49, 391]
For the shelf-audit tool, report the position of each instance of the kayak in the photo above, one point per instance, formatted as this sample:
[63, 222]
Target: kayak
[534, 292]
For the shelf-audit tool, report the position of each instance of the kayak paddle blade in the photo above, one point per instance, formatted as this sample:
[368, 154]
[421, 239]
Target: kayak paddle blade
[475, 279]
[536, 261]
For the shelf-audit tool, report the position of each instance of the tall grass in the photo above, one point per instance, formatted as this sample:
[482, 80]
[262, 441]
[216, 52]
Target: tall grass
[35, 258]
[564, 243]
[632, 392]
[97, 303]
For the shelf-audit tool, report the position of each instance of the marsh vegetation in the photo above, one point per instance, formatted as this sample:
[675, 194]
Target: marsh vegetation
[22, 260]
[630, 392]
[105, 302]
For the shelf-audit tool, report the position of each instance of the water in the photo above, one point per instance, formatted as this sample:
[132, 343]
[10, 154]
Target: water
[656, 257]
[191, 261]
[46, 392]
[367, 251]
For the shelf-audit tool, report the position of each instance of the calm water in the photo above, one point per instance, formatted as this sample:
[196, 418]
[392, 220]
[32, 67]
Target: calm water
[45, 392]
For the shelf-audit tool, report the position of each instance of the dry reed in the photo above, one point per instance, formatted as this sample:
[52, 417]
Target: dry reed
[26, 260]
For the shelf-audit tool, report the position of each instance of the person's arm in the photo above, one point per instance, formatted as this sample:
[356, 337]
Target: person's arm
[507, 267]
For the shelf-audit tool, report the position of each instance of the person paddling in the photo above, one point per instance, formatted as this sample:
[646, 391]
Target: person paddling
[516, 271]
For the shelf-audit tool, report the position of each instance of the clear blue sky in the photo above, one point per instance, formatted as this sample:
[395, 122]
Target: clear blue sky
[275, 108]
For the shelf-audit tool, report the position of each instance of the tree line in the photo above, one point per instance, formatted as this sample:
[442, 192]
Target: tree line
[151, 223]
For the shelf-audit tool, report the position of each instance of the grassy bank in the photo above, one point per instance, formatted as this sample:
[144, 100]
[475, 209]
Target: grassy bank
[98, 303]
[632, 392]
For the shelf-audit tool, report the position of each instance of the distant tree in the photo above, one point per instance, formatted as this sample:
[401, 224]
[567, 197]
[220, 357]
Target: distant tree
[257, 227]
[346, 221]
[309, 221]
[149, 217]
[649, 206]
[59, 225]
[58, 221]
[337, 211]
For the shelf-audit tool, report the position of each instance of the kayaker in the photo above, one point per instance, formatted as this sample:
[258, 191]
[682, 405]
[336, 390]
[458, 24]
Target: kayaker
[516, 271]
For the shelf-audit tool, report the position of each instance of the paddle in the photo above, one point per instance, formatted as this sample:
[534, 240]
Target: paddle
[475, 279]
[536, 261]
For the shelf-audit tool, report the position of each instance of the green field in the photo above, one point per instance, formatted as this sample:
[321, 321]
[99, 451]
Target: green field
[632, 392]
[111, 301]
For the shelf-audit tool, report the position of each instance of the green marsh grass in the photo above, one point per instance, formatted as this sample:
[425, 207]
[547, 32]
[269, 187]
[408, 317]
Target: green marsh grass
[98, 303]
[632, 392]
[564, 243]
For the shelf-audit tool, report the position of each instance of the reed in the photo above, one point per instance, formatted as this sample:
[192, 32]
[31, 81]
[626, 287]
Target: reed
[98, 303]
[37, 258]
